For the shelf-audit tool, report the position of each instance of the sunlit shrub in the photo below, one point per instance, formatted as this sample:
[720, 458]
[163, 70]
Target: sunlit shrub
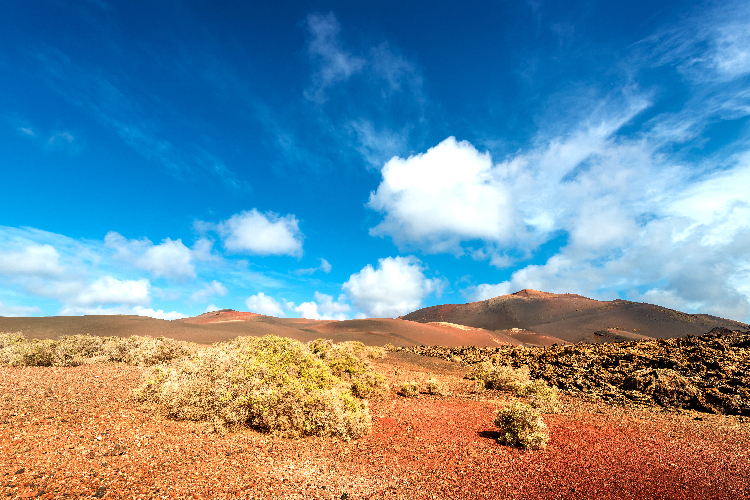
[272, 384]
[542, 396]
[521, 425]
[433, 386]
[74, 350]
[501, 377]
[409, 389]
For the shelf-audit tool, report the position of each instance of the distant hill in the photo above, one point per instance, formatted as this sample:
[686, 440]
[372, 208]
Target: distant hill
[572, 318]
[528, 317]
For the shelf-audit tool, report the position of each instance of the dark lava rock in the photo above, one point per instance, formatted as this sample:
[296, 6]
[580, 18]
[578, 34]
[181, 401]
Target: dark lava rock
[709, 373]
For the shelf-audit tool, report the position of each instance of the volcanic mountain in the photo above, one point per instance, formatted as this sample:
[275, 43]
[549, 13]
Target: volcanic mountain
[534, 317]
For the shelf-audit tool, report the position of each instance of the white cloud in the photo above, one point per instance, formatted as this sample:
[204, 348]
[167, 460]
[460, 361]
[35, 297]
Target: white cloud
[261, 303]
[19, 311]
[209, 290]
[73, 310]
[325, 266]
[158, 314]
[437, 199]
[324, 307]
[169, 259]
[486, 291]
[109, 290]
[33, 260]
[261, 234]
[396, 287]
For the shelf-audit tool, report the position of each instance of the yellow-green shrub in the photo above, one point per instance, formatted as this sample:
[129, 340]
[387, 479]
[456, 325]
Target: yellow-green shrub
[521, 425]
[348, 360]
[409, 389]
[74, 350]
[271, 384]
[501, 377]
[542, 396]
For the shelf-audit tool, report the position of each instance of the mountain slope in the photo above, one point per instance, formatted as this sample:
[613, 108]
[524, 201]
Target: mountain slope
[573, 318]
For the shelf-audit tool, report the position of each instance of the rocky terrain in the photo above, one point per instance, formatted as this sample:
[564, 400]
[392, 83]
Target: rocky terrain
[709, 373]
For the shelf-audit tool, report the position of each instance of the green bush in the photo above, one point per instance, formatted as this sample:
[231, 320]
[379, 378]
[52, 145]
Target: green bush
[272, 384]
[521, 425]
[409, 389]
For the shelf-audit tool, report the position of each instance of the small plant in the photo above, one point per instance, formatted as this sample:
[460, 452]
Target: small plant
[434, 387]
[271, 384]
[521, 425]
[501, 377]
[479, 386]
[409, 389]
[542, 396]
[75, 350]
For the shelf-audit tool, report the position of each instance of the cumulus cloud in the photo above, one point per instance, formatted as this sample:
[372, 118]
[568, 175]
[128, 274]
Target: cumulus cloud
[169, 259]
[261, 234]
[261, 303]
[324, 307]
[32, 260]
[109, 290]
[73, 310]
[208, 291]
[486, 291]
[19, 311]
[437, 199]
[396, 287]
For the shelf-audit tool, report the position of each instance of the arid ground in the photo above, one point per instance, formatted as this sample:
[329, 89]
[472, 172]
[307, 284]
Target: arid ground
[77, 432]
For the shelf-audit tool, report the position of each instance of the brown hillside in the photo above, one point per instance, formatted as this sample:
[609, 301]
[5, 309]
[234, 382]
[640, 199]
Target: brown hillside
[572, 318]
[212, 327]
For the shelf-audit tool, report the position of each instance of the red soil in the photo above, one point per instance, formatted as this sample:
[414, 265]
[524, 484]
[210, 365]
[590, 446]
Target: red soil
[223, 316]
[73, 432]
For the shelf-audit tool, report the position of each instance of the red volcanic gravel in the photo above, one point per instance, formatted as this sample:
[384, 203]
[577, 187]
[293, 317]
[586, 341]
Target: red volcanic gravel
[76, 432]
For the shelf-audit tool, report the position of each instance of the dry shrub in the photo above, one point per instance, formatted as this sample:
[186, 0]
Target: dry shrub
[665, 386]
[146, 351]
[409, 389]
[433, 386]
[8, 339]
[22, 352]
[501, 377]
[521, 425]
[349, 361]
[272, 384]
[75, 350]
[542, 396]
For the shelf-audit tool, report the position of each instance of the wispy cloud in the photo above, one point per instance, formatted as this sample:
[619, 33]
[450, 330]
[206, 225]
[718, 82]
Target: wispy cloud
[108, 99]
[377, 89]
[613, 177]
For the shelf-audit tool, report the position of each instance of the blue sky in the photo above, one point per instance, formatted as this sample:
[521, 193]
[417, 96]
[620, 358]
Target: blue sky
[350, 159]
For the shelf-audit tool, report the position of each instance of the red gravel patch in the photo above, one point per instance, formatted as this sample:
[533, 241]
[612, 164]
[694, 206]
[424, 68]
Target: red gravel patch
[75, 432]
